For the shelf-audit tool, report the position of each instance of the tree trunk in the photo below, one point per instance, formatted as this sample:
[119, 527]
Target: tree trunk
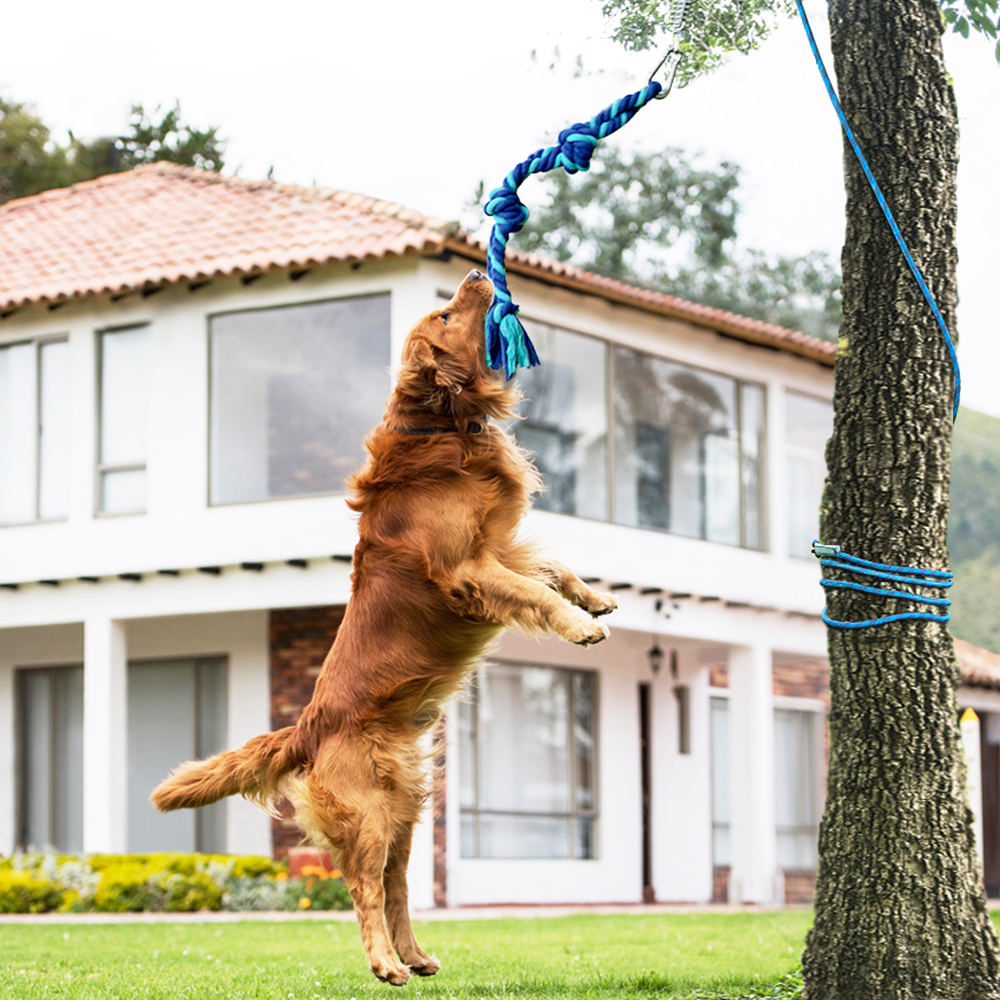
[900, 907]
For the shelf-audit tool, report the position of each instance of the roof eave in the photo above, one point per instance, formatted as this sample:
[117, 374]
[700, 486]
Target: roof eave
[660, 304]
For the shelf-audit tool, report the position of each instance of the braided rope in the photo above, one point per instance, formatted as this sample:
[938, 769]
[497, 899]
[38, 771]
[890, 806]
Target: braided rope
[507, 343]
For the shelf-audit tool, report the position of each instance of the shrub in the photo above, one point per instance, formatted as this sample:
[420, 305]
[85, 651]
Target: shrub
[126, 887]
[252, 865]
[189, 893]
[34, 882]
[255, 893]
[22, 892]
[318, 889]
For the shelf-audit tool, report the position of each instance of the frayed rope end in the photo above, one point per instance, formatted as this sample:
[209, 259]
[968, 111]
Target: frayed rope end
[508, 345]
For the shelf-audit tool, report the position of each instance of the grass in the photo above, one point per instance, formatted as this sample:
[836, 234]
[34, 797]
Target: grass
[590, 957]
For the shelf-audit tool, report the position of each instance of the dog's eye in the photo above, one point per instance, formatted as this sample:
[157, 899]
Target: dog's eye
[444, 317]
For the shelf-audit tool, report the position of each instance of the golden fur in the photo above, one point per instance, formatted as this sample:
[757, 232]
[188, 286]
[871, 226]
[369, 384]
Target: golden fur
[438, 573]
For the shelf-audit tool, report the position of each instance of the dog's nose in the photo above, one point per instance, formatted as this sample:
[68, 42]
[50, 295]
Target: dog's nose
[475, 275]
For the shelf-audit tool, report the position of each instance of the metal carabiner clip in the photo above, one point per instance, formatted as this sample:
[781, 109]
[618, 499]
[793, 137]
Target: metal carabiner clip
[672, 60]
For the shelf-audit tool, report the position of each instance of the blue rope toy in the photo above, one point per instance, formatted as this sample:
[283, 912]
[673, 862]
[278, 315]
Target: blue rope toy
[507, 343]
[831, 555]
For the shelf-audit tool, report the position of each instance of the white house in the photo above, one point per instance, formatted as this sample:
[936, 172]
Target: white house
[188, 366]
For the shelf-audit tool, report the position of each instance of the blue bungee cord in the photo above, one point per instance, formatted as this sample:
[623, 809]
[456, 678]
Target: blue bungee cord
[831, 556]
[507, 343]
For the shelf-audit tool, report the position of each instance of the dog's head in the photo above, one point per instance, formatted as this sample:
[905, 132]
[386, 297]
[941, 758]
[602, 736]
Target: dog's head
[444, 357]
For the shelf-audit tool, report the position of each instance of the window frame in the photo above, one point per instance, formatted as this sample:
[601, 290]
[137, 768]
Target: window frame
[814, 773]
[789, 451]
[203, 821]
[386, 293]
[575, 812]
[37, 343]
[607, 346]
[20, 735]
[739, 384]
[101, 468]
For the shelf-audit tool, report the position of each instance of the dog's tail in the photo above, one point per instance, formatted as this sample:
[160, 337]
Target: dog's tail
[255, 771]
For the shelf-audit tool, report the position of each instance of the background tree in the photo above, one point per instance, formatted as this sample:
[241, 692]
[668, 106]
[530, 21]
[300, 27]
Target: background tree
[29, 161]
[32, 161]
[900, 907]
[666, 221]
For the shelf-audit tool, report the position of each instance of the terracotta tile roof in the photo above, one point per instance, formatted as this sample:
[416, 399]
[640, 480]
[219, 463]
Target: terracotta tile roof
[164, 224]
[980, 668]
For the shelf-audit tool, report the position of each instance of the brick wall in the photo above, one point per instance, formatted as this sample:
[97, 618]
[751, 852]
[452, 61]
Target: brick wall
[790, 679]
[720, 884]
[299, 641]
[800, 883]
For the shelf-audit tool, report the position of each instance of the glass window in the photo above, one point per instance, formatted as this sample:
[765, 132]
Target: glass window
[34, 432]
[687, 450]
[808, 425]
[796, 794]
[176, 712]
[565, 421]
[528, 756]
[721, 853]
[294, 392]
[126, 376]
[50, 758]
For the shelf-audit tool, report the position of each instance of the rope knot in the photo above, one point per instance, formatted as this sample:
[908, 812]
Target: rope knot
[576, 147]
[509, 211]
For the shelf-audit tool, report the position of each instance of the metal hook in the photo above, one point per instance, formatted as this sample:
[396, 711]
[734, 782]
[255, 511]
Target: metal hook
[673, 57]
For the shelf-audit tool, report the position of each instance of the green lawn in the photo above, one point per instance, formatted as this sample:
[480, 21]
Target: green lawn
[586, 956]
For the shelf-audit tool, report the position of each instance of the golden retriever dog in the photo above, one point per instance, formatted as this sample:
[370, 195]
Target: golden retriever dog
[438, 573]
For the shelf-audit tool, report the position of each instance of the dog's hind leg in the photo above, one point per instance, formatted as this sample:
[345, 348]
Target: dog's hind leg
[356, 824]
[397, 909]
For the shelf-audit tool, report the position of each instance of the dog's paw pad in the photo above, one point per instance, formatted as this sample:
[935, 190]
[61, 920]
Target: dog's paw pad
[397, 975]
[601, 604]
[596, 633]
[429, 967]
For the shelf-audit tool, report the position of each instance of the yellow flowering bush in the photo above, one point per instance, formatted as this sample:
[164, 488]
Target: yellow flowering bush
[23, 892]
[124, 883]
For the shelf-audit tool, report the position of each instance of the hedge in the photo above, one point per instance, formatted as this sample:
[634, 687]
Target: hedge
[45, 882]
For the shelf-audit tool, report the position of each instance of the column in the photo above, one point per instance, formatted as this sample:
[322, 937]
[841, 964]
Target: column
[753, 877]
[105, 736]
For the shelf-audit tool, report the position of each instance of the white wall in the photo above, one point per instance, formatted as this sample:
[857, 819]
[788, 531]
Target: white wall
[180, 530]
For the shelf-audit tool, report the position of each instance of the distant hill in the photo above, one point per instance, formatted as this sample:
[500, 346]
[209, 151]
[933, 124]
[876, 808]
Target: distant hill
[974, 529]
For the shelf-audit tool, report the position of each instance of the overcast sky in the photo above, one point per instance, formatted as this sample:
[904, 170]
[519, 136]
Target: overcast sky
[417, 102]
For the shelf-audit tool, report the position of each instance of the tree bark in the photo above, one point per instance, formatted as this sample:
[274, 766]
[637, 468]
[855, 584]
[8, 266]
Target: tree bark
[900, 907]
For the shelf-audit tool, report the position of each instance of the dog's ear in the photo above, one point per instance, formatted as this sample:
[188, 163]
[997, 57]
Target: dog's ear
[426, 363]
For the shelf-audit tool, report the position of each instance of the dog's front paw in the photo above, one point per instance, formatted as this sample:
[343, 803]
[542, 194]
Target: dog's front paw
[590, 633]
[597, 604]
